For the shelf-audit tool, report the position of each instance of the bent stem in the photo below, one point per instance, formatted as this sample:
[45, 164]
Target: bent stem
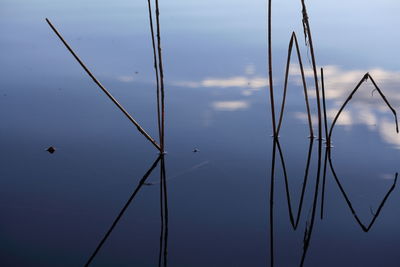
[364, 79]
[293, 221]
[364, 227]
[293, 39]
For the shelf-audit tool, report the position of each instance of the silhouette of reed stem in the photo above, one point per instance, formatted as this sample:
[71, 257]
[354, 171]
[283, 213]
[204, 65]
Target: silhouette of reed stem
[271, 82]
[364, 79]
[140, 129]
[364, 227]
[295, 221]
[164, 214]
[308, 36]
[327, 143]
[162, 211]
[121, 213]
[386, 101]
[155, 68]
[275, 136]
[293, 39]
[271, 201]
[161, 72]
[324, 103]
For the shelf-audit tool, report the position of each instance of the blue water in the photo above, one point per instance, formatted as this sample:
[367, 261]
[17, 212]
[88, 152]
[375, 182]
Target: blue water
[56, 208]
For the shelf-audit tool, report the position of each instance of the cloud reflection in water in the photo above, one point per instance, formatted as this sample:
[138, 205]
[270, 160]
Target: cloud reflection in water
[367, 108]
[230, 105]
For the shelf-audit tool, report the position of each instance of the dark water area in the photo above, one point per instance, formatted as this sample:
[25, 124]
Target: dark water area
[207, 201]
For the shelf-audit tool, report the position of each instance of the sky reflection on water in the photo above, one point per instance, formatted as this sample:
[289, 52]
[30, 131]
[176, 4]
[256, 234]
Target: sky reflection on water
[58, 207]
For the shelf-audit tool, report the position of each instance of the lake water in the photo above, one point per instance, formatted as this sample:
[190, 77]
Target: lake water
[213, 207]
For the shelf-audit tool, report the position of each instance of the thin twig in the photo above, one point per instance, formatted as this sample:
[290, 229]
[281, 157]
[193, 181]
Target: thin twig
[271, 201]
[271, 82]
[160, 66]
[324, 182]
[121, 213]
[348, 202]
[163, 252]
[294, 39]
[275, 136]
[324, 103]
[164, 179]
[162, 196]
[140, 129]
[386, 101]
[295, 222]
[383, 203]
[307, 31]
[327, 143]
[155, 68]
[364, 79]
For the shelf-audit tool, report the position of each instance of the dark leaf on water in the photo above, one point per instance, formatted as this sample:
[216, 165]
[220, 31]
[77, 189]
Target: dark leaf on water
[51, 150]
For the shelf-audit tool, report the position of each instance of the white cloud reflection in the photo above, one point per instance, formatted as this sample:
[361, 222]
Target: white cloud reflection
[126, 78]
[249, 82]
[230, 105]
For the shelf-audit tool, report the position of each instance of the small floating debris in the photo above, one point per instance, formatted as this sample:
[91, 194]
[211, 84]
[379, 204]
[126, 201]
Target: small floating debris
[196, 150]
[148, 184]
[51, 150]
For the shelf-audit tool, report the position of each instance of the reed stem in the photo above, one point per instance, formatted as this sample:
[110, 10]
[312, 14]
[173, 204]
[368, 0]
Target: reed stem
[327, 144]
[307, 32]
[140, 129]
[271, 82]
[161, 71]
[275, 136]
[295, 221]
[364, 79]
[155, 68]
[293, 39]
[121, 213]
[363, 226]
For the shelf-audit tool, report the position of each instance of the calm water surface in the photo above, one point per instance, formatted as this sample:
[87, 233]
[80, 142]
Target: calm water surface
[213, 207]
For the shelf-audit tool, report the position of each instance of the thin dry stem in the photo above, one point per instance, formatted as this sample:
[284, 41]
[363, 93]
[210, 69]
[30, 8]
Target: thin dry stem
[327, 143]
[155, 68]
[271, 94]
[140, 129]
[271, 82]
[364, 227]
[161, 71]
[293, 39]
[364, 79]
[295, 221]
[163, 252]
[121, 213]
[307, 32]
